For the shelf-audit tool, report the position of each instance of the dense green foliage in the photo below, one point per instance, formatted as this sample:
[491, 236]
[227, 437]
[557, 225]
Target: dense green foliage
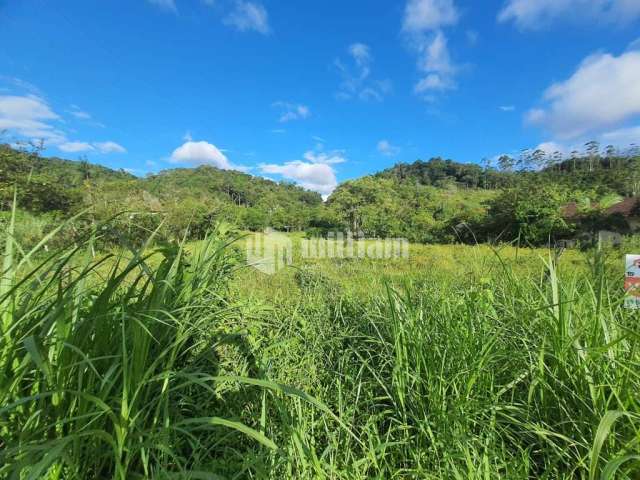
[445, 201]
[385, 207]
[442, 173]
[438, 201]
[48, 185]
[180, 199]
[172, 363]
[532, 212]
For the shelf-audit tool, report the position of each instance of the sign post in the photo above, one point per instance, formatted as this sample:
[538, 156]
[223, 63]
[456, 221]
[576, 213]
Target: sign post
[632, 281]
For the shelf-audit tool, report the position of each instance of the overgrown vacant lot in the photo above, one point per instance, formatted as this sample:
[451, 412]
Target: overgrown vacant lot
[458, 362]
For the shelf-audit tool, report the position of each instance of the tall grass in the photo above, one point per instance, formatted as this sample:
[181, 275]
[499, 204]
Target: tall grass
[499, 377]
[110, 366]
[140, 365]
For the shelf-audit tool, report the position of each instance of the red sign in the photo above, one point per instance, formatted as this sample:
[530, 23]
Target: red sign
[632, 286]
[632, 281]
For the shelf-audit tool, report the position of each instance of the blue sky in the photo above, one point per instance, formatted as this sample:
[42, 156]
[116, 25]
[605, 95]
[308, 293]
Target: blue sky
[316, 92]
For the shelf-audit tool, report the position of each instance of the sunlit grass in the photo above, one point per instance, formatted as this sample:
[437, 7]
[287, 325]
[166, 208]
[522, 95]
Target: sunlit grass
[178, 361]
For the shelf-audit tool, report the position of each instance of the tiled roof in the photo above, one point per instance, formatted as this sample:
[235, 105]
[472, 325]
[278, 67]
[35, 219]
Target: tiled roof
[628, 207]
[570, 210]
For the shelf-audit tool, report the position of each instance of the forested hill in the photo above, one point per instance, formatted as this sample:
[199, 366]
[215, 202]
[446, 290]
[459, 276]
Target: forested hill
[442, 173]
[229, 185]
[48, 184]
[425, 201]
[444, 201]
[601, 173]
[194, 197]
[22, 166]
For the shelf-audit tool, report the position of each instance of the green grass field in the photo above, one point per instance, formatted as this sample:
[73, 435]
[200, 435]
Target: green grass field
[182, 362]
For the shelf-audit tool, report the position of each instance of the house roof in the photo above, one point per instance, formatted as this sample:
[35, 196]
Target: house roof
[629, 207]
[570, 210]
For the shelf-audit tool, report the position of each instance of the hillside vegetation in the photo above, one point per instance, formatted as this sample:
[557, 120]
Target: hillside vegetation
[192, 199]
[140, 345]
[174, 363]
[437, 201]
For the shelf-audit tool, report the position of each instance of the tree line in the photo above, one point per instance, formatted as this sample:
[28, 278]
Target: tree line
[433, 201]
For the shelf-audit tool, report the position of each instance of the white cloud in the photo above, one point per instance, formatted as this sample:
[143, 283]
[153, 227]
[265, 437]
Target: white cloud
[30, 116]
[79, 113]
[435, 56]
[99, 147]
[328, 158]
[168, 5]
[385, 148]
[109, 147]
[532, 14]
[552, 147]
[434, 61]
[422, 15]
[318, 177]
[356, 81]
[75, 147]
[433, 81]
[602, 93]
[292, 111]
[21, 85]
[202, 153]
[422, 24]
[315, 172]
[84, 116]
[622, 137]
[370, 94]
[361, 53]
[507, 108]
[28, 107]
[247, 16]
